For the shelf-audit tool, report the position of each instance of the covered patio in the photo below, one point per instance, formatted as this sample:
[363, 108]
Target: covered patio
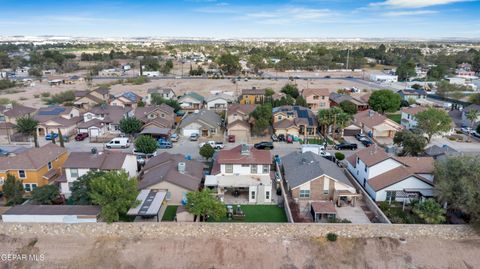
[323, 211]
[151, 203]
[242, 189]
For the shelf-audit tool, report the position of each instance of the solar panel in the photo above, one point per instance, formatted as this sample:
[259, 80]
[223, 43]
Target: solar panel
[54, 111]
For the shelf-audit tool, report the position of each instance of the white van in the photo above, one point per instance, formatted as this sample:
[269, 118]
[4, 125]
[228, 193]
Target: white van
[118, 143]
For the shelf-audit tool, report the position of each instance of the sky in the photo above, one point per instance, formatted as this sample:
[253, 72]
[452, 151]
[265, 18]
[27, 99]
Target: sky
[237, 19]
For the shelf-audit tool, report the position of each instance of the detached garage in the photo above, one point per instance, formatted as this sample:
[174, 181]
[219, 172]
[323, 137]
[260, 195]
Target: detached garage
[52, 213]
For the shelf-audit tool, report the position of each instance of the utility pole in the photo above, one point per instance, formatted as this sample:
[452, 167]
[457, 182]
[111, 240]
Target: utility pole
[348, 56]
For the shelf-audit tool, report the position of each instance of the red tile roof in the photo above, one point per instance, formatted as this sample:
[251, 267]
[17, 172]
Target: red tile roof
[319, 92]
[234, 156]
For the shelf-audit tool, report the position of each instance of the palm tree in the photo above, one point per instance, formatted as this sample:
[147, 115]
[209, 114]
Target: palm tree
[28, 126]
[430, 211]
[472, 116]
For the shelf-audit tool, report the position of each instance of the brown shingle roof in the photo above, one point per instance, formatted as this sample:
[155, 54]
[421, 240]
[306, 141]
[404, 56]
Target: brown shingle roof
[370, 156]
[394, 176]
[319, 92]
[234, 156]
[371, 119]
[18, 111]
[32, 159]
[239, 122]
[324, 207]
[413, 110]
[239, 108]
[107, 160]
[164, 167]
[420, 165]
[253, 91]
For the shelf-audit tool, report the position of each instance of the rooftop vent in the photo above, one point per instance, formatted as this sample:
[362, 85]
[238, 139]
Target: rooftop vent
[245, 150]
[182, 167]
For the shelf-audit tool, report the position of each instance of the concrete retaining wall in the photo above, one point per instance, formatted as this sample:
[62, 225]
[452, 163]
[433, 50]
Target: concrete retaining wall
[238, 230]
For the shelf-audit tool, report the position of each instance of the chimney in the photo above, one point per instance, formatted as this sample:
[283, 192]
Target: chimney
[182, 167]
[245, 150]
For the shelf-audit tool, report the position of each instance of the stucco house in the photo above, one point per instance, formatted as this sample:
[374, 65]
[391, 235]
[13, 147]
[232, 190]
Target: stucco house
[242, 175]
[219, 101]
[238, 121]
[204, 123]
[89, 99]
[375, 124]
[408, 119]
[252, 96]
[126, 99]
[53, 118]
[336, 99]
[103, 119]
[165, 93]
[310, 178]
[191, 101]
[80, 163]
[391, 178]
[294, 121]
[412, 94]
[317, 99]
[171, 173]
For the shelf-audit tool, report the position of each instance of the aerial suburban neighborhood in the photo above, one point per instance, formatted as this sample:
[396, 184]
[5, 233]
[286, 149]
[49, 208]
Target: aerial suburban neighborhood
[147, 151]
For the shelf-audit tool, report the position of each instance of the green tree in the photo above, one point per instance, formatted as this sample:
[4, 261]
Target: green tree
[115, 193]
[339, 156]
[262, 116]
[27, 125]
[300, 101]
[290, 90]
[130, 125]
[430, 211]
[385, 101]
[230, 64]
[406, 70]
[433, 121]
[412, 143]
[472, 115]
[348, 107]
[146, 144]
[45, 195]
[436, 73]
[157, 99]
[474, 98]
[333, 117]
[206, 151]
[81, 188]
[456, 183]
[13, 190]
[204, 204]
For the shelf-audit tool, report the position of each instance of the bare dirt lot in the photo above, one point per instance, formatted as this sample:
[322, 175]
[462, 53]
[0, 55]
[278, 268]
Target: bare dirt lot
[180, 86]
[186, 252]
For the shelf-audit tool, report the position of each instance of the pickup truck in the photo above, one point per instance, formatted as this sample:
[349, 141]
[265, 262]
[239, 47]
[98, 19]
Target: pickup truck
[213, 144]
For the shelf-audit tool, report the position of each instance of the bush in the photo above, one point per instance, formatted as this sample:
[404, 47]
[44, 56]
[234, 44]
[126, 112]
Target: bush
[339, 156]
[36, 95]
[45, 94]
[332, 237]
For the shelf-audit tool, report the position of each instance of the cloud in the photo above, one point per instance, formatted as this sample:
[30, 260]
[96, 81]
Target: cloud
[290, 15]
[408, 13]
[416, 3]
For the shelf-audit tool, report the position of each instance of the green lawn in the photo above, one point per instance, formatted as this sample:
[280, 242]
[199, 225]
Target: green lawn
[170, 213]
[395, 117]
[261, 213]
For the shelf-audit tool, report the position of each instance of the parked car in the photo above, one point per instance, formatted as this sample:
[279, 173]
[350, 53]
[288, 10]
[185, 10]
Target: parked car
[142, 157]
[476, 134]
[174, 137]
[281, 138]
[366, 142]
[346, 145]
[231, 139]
[194, 137]
[213, 144]
[50, 136]
[289, 139]
[81, 136]
[118, 142]
[164, 144]
[274, 138]
[264, 145]
[360, 136]
[466, 129]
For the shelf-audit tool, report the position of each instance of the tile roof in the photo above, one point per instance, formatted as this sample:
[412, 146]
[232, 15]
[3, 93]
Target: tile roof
[203, 117]
[324, 207]
[141, 113]
[370, 156]
[18, 111]
[303, 167]
[413, 110]
[234, 156]
[371, 119]
[107, 160]
[253, 91]
[239, 108]
[164, 167]
[32, 159]
[29, 209]
[319, 92]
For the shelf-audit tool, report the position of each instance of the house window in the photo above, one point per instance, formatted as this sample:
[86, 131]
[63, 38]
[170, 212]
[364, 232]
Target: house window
[391, 195]
[279, 117]
[229, 168]
[89, 117]
[253, 195]
[265, 169]
[27, 187]
[22, 174]
[325, 191]
[253, 169]
[169, 196]
[74, 172]
[315, 97]
[267, 195]
[213, 130]
[49, 165]
[358, 160]
[365, 168]
[304, 193]
[322, 104]
[245, 165]
[323, 97]
[34, 186]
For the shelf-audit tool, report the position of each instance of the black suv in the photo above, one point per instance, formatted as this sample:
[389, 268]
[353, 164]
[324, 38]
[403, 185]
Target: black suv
[264, 145]
[346, 145]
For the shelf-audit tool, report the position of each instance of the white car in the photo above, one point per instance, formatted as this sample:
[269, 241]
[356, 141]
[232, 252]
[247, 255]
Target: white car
[213, 144]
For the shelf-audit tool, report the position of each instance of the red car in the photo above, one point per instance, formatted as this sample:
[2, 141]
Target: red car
[81, 136]
[231, 139]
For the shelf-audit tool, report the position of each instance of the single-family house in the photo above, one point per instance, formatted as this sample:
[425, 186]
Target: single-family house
[165, 93]
[252, 96]
[204, 123]
[53, 118]
[158, 120]
[191, 101]
[316, 99]
[80, 163]
[126, 99]
[294, 121]
[172, 173]
[412, 94]
[391, 178]
[219, 101]
[310, 178]
[438, 153]
[34, 167]
[408, 119]
[336, 99]
[238, 121]
[103, 119]
[8, 119]
[242, 175]
[375, 124]
[68, 214]
[89, 99]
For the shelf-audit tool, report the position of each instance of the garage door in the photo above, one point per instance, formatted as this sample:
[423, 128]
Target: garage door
[189, 132]
[351, 132]
[240, 135]
[94, 132]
